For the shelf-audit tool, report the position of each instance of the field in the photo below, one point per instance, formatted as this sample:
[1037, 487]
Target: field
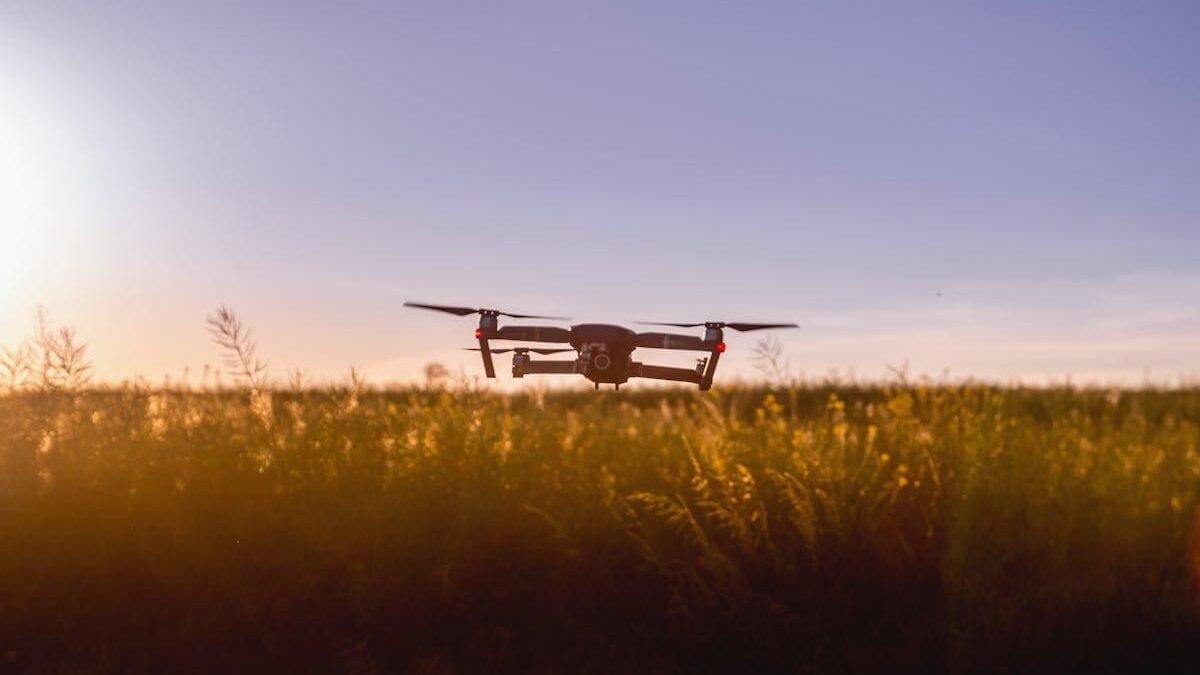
[902, 528]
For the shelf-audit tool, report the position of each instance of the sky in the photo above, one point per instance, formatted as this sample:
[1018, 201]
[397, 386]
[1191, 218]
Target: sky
[1000, 191]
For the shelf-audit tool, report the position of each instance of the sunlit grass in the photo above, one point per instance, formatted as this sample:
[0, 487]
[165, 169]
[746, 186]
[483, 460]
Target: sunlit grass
[831, 528]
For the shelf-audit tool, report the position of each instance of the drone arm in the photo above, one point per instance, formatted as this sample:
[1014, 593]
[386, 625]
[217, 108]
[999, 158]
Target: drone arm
[665, 373]
[672, 341]
[548, 367]
[531, 334]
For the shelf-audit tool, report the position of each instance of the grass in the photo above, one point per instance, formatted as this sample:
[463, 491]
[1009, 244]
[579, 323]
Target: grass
[810, 529]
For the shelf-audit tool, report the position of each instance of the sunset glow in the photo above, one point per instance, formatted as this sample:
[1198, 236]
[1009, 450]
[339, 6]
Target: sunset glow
[160, 161]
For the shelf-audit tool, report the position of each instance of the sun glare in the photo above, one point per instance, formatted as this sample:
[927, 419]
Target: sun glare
[41, 168]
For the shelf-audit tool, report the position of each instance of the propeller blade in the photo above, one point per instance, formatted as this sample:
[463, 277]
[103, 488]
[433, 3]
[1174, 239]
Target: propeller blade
[463, 311]
[744, 327]
[460, 311]
[536, 350]
[534, 316]
[722, 324]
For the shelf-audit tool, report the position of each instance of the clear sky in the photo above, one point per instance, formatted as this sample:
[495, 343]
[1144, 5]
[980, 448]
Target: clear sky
[837, 164]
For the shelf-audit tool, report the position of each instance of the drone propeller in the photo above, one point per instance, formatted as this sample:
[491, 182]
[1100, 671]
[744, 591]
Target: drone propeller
[744, 327]
[521, 350]
[463, 311]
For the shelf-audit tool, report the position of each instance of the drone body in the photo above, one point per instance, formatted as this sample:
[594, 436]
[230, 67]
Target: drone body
[604, 352]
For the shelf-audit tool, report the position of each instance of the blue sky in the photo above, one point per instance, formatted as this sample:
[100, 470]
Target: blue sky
[834, 164]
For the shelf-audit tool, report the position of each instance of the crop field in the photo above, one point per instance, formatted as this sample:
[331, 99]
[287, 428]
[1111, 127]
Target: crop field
[810, 529]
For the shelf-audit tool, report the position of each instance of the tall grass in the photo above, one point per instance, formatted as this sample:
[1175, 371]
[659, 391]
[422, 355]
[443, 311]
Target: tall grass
[815, 529]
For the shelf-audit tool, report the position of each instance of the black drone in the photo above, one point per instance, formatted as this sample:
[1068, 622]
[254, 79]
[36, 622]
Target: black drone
[605, 352]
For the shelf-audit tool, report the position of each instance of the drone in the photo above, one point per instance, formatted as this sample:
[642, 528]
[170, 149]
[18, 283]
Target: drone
[604, 352]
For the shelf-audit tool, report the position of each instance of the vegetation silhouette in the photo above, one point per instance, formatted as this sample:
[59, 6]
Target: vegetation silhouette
[53, 359]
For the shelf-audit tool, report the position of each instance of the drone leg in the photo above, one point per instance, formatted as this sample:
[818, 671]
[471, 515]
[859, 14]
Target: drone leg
[487, 357]
[707, 378]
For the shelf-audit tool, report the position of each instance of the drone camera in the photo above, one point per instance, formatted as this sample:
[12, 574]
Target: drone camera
[594, 355]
